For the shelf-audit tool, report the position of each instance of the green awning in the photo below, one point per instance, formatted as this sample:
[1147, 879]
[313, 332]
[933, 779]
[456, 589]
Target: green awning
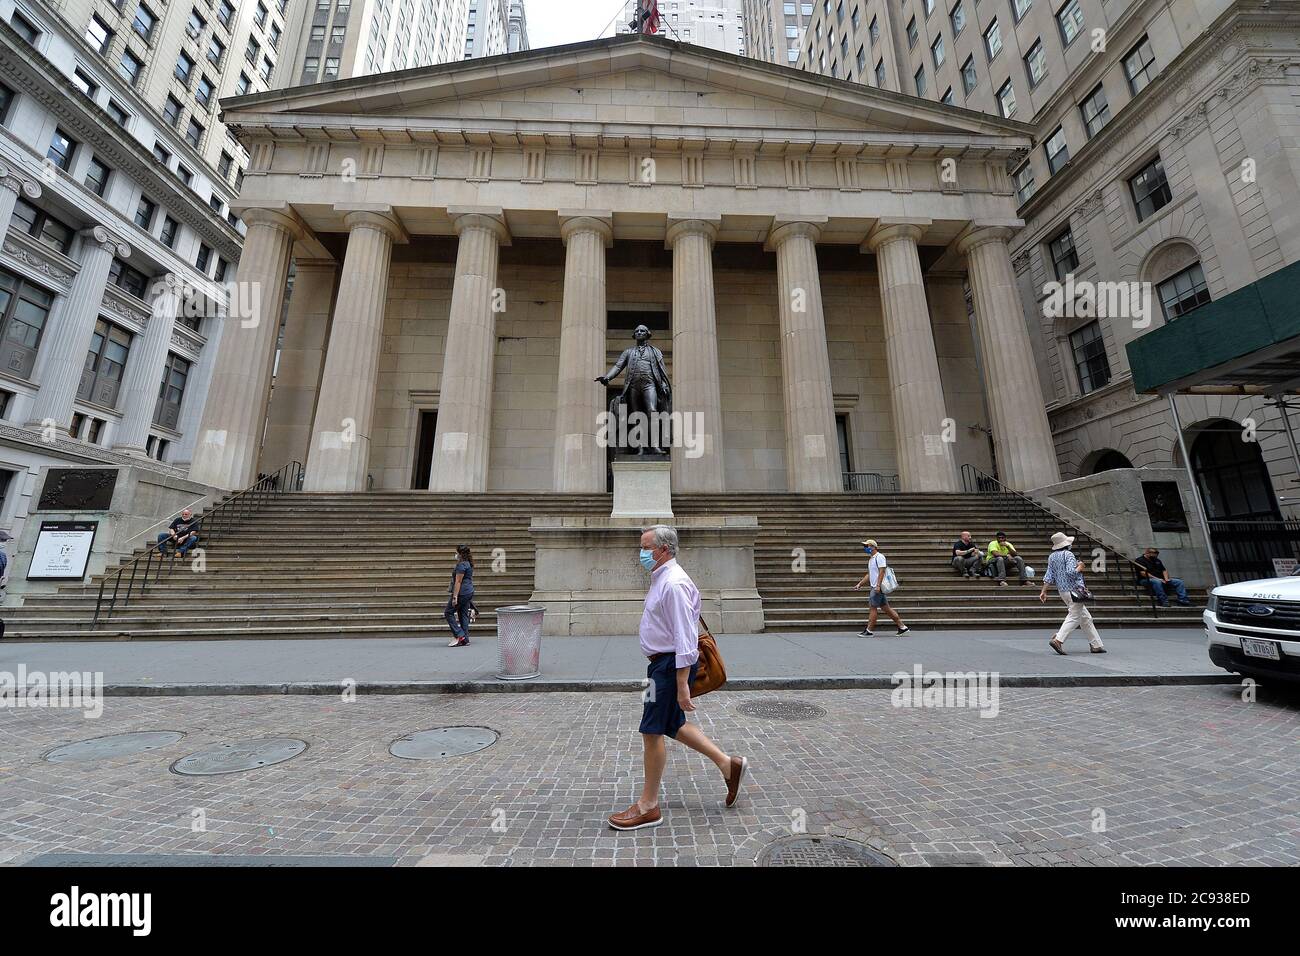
[1248, 337]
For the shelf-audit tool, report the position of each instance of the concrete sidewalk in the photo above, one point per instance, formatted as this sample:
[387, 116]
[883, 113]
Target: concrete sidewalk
[759, 661]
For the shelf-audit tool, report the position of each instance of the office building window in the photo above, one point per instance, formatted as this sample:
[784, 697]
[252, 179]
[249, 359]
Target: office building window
[203, 91]
[171, 392]
[1019, 8]
[1096, 111]
[957, 15]
[129, 280]
[194, 133]
[216, 50]
[102, 375]
[98, 35]
[84, 83]
[919, 78]
[1140, 66]
[1023, 178]
[120, 115]
[129, 66]
[172, 111]
[144, 22]
[936, 51]
[911, 33]
[97, 175]
[42, 227]
[1183, 292]
[1036, 63]
[144, 213]
[24, 28]
[1064, 257]
[1058, 152]
[993, 39]
[1007, 99]
[24, 310]
[170, 230]
[1090, 358]
[968, 77]
[1150, 189]
[1070, 19]
[62, 148]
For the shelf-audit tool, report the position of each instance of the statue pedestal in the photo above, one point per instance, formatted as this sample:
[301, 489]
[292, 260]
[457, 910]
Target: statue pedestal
[588, 578]
[642, 487]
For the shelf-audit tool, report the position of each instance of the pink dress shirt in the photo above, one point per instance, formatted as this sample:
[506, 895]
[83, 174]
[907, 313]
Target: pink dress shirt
[672, 612]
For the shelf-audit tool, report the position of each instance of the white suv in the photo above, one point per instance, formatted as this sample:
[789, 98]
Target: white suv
[1254, 627]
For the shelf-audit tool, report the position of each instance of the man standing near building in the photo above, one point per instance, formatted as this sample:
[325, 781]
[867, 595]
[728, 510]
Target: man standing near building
[670, 638]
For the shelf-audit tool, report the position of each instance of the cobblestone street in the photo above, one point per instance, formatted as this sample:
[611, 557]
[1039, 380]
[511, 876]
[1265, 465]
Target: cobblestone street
[1140, 775]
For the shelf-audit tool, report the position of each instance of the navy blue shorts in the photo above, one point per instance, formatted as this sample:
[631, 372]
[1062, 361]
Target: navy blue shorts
[662, 714]
[879, 599]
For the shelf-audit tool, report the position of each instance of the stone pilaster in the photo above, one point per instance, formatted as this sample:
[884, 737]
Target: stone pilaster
[67, 338]
[812, 461]
[144, 368]
[302, 357]
[230, 437]
[697, 388]
[340, 449]
[1022, 438]
[925, 460]
[579, 462]
[12, 185]
[460, 454]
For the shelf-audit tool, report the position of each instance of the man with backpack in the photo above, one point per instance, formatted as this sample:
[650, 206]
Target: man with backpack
[879, 576]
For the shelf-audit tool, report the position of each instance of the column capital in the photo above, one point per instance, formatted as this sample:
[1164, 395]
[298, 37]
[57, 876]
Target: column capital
[691, 224]
[99, 236]
[16, 182]
[978, 232]
[282, 217]
[888, 229]
[374, 216]
[787, 227]
[488, 218]
[577, 220]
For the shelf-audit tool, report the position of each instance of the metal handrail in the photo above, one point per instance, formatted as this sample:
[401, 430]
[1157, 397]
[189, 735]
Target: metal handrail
[869, 481]
[1044, 520]
[212, 523]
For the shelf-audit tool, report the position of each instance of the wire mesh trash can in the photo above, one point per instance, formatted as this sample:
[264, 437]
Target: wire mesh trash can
[519, 641]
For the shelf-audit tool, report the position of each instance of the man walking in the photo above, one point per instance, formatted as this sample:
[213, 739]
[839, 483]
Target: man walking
[670, 638]
[1002, 553]
[875, 576]
[1153, 573]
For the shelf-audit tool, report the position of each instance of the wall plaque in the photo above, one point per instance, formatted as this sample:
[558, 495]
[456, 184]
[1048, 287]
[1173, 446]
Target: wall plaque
[78, 489]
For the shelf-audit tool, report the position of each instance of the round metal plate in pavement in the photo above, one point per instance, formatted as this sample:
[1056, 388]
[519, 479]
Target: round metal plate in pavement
[821, 851]
[239, 755]
[114, 745]
[773, 708]
[443, 742]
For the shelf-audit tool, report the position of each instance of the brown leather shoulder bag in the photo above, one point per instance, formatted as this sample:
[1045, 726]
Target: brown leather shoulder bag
[710, 672]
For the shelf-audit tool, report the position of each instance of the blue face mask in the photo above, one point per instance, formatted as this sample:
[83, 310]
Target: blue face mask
[866, 549]
[647, 559]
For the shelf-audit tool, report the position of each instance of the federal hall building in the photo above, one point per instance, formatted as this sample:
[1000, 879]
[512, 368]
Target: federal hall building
[825, 266]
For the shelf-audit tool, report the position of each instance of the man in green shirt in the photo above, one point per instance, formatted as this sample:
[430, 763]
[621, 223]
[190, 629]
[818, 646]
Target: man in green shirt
[1001, 554]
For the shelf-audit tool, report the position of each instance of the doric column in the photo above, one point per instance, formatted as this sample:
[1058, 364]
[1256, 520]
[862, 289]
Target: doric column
[460, 454]
[579, 462]
[302, 357]
[12, 185]
[67, 339]
[234, 414]
[144, 367]
[697, 389]
[925, 461]
[812, 460]
[1022, 439]
[340, 446]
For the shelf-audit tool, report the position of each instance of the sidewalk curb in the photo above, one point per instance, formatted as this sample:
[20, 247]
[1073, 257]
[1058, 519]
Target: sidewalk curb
[493, 686]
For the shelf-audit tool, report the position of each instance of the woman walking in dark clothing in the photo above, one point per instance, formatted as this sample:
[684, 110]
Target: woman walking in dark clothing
[460, 597]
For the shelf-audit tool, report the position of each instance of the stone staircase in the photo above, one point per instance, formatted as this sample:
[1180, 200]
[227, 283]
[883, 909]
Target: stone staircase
[377, 564]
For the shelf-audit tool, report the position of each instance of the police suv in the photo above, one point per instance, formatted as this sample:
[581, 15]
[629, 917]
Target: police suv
[1254, 627]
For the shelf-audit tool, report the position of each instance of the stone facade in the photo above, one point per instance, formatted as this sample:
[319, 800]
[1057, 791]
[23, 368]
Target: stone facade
[742, 203]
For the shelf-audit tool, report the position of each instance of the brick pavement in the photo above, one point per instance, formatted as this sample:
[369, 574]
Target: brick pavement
[1184, 775]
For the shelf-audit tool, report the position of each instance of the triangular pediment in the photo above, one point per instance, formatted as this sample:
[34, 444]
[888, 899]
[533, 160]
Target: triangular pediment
[618, 85]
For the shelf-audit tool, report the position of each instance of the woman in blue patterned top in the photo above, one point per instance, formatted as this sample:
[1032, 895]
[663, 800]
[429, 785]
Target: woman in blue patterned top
[460, 597]
[1066, 572]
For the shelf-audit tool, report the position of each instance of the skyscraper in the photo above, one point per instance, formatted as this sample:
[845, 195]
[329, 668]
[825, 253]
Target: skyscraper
[717, 24]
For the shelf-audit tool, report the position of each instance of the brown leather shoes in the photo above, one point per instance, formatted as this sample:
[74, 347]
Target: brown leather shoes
[738, 767]
[633, 819]
[1057, 646]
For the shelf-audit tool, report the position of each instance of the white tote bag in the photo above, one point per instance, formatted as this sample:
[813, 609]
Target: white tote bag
[890, 584]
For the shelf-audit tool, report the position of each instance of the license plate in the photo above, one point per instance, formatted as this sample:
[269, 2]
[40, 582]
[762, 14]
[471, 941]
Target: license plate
[1268, 650]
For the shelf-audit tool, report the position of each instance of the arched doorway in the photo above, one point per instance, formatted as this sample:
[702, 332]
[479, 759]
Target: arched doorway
[1108, 460]
[1231, 474]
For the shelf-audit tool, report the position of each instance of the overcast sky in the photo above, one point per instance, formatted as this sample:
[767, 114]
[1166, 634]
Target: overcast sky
[553, 22]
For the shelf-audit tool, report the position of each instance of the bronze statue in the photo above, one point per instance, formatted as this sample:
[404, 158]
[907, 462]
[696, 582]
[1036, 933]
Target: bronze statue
[645, 389]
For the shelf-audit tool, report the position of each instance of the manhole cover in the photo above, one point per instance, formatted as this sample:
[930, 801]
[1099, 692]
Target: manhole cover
[776, 709]
[114, 745]
[239, 755]
[822, 851]
[443, 742]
